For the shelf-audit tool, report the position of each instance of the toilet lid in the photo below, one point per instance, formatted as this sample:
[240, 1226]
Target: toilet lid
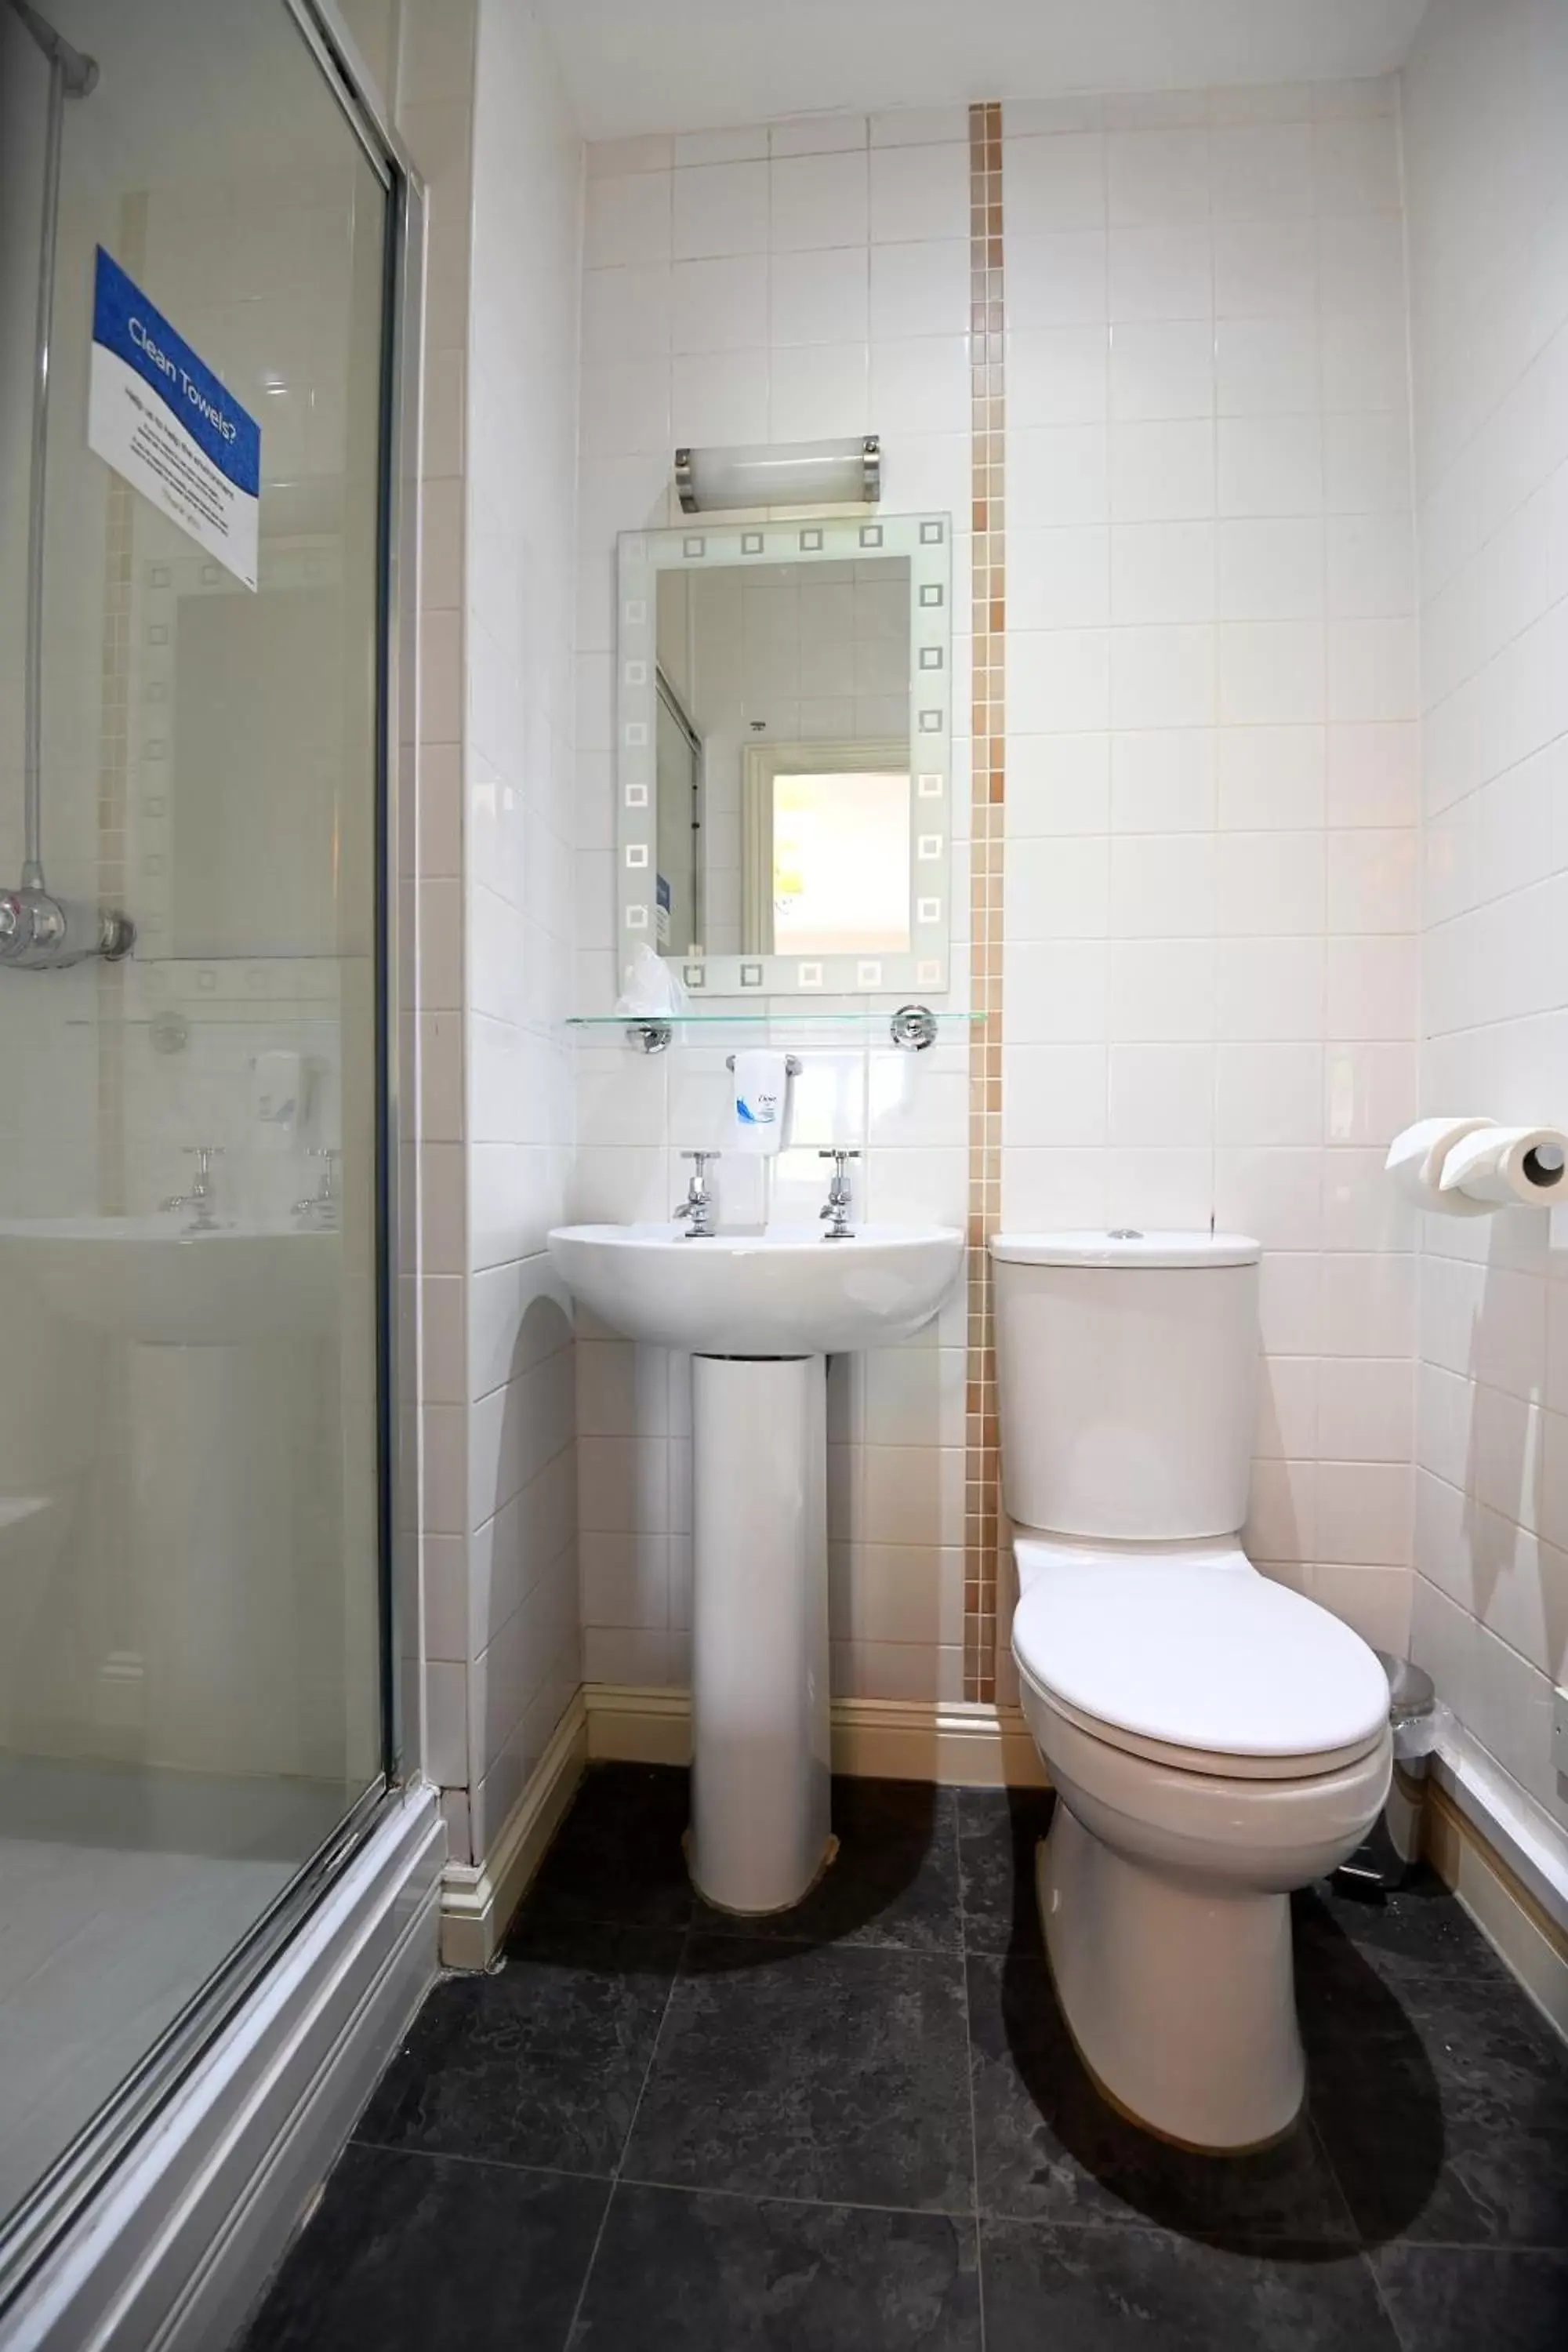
[1200, 1658]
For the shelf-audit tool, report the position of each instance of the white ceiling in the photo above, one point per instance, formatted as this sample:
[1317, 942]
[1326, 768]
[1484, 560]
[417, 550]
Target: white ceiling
[695, 65]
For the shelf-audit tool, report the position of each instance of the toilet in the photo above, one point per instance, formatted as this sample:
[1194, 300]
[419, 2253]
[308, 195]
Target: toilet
[1214, 1738]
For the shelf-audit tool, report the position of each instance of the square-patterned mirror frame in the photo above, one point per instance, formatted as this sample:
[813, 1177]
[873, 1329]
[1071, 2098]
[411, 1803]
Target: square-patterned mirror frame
[927, 541]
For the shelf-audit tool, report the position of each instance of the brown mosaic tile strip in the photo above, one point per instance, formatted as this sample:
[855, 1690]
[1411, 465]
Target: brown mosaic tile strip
[988, 493]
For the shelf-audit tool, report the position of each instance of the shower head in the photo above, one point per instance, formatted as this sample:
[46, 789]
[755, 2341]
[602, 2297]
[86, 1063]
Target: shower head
[79, 73]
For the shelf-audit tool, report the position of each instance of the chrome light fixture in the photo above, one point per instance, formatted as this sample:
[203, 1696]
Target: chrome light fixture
[790, 474]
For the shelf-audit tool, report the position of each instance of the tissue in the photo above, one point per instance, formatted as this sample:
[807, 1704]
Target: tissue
[654, 990]
[1416, 1158]
[1499, 1167]
[761, 1102]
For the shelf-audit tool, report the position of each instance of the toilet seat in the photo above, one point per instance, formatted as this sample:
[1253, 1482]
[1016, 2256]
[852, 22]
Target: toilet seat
[1200, 1666]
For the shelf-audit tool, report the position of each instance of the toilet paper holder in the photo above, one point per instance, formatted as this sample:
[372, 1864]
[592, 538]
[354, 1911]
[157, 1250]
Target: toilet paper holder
[1472, 1167]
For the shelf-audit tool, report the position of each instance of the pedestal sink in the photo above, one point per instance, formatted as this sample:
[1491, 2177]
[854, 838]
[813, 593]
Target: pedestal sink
[219, 1351]
[153, 1280]
[760, 1314]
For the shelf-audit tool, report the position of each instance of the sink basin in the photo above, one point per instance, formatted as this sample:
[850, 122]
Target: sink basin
[148, 1279]
[786, 1292]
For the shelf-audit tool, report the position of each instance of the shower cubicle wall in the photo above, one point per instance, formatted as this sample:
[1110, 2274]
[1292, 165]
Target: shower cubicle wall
[194, 1158]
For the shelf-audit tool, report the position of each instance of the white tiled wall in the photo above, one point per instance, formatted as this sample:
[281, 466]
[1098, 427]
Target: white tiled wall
[1211, 894]
[1211, 884]
[782, 283]
[490, 126]
[1485, 100]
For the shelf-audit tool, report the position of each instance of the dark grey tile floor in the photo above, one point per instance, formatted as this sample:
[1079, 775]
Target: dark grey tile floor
[654, 2128]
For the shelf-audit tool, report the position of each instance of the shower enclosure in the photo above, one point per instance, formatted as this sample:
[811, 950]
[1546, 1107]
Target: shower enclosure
[198, 1046]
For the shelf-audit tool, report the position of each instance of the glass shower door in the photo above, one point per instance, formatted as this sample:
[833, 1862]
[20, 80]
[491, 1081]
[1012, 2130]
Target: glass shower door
[191, 1620]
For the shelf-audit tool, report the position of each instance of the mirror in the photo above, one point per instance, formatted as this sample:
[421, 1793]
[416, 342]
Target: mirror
[784, 723]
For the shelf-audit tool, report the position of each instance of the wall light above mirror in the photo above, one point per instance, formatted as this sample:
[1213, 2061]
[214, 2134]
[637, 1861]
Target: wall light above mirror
[784, 733]
[781, 474]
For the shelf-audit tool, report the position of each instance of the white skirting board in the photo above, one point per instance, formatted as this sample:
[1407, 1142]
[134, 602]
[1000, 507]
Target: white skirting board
[176, 2249]
[961, 1744]
[478, 1899]
[972, 1747]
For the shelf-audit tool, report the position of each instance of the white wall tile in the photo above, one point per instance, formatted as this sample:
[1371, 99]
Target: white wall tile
[920, 289]
[1162, 677]
[1160, 572]
[820, 297]
[820, 200]
[627, 219]
[1057, 375]
[1057, 475]
[1057, 279]
[1270, 367]
[819, 392]
[719, 305]
[721, 209]
[1163, 779]
[1161, 272]
[720, 396]
[1162, 473]
[920, 192]
[1157, 176]
[1162, 369]
[818, 134]
[1052, 184]
[1210, 995]
[1270, 571]
[1265, 270]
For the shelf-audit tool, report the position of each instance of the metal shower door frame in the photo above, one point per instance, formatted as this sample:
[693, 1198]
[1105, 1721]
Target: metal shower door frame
[84, 2169]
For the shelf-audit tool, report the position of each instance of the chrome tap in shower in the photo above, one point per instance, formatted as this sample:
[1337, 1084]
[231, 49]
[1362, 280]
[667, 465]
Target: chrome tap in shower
[200, 1200]
[322, 1212]
[39, 932]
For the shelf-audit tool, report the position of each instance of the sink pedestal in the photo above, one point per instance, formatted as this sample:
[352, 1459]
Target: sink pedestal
[760, 1314]
[759, 1777]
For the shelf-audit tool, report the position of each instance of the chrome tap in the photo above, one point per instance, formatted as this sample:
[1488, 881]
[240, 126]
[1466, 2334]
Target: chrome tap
[700, 1210]
[836, 1209]
[203, 1193]
[321, 1212]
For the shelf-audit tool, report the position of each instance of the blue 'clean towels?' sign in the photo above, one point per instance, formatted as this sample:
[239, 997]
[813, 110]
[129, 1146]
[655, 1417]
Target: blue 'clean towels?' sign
[191, 447]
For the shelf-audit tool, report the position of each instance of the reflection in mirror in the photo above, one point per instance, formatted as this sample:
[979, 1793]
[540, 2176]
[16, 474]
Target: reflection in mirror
[784, 765]
[790, 715]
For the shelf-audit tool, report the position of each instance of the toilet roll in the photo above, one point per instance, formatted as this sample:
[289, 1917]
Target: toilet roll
[1498, 1167]
[1417, 1159]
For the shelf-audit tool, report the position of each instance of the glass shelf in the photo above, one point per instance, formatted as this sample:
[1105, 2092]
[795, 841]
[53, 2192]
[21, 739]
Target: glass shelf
[912, 1027]
[876, 1016]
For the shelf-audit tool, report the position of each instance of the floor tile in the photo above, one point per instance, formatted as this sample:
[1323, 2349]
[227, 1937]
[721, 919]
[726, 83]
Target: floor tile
[712, 2273]
[811, 2071]
[1442, 2101]
[1415, 1926]
[894, 1883]
[999, 1831]
[1443, 2299]
[407, 2252]
[1087, 2290]
[617, 1855]
[1048, 2148]
[541, 2063]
